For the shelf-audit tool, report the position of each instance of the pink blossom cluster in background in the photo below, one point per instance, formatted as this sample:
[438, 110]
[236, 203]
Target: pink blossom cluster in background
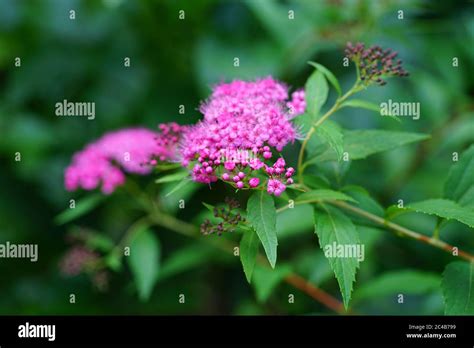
[245, 125]
[76, 259]
[134, 150]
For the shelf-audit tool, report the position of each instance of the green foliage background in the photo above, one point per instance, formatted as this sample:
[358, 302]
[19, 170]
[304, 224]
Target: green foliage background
[175, 62]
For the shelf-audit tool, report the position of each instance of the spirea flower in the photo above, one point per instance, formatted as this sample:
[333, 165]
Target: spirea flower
[297, 104]
[374, 63]
[244, 124]
[133, 150]
[280, 176]
[168, 140]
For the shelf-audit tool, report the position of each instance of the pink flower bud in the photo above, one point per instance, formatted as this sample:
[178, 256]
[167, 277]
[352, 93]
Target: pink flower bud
[254, 182]
[269, 170]
[280, 163]
[229, 165]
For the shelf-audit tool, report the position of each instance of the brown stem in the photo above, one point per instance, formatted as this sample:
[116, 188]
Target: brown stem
[315, 292]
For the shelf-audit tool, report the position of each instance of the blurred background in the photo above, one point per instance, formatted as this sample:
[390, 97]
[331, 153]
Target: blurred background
[175, 62]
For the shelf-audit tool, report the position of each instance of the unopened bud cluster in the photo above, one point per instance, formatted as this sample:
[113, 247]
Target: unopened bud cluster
[375, 63]
[229, 215]
[79, 259]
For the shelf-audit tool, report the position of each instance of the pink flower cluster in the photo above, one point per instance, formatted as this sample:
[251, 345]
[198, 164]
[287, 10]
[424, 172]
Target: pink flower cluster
[297, 104]
[167, 142]
[240, 117]
[135, 150]
[245, 125]
[279, 175]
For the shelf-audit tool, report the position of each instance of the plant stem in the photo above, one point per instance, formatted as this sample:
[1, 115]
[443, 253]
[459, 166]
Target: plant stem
[434, 241]
[315, 292]
[320, 121]
[437, 243]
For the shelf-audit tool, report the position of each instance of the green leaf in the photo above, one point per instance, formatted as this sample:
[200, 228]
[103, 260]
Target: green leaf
[316, 93]
[265, 280]
[248, 252]
[366, 202]
[458, 288]
[316, 181]
[460, 183]
[261, 214]
[82, 207]
[208, 206]
[144, 261]
[396, 282]
[168, 166]
[179, 186]
[393, 211]
[172, 177]
[323, 195]
[331, 133]
[461, 132]
[359, 103]
[467, 199]
[332, 226]
[446, 209]
[184, 259]
[171, 194]
[100, 242]
[364, 104]
[329, 75]
[362, 143]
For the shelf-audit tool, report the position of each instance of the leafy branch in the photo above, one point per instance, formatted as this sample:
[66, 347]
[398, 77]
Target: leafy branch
[339, 199]
[336, 106]
[292, 278]
[435, 242]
